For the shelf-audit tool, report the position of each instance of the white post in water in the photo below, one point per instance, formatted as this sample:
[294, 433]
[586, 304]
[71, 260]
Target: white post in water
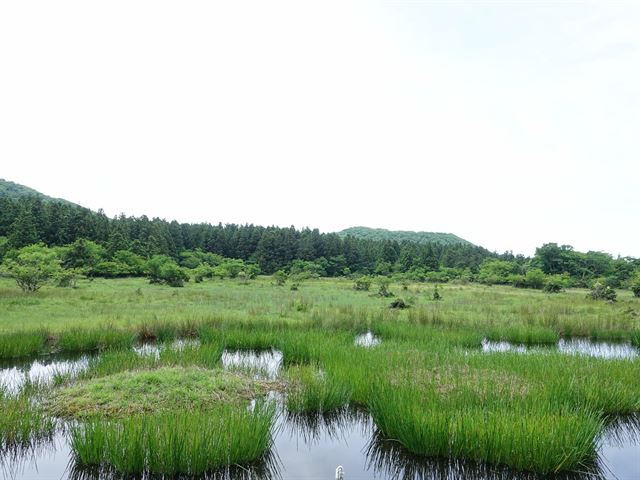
[339, 473]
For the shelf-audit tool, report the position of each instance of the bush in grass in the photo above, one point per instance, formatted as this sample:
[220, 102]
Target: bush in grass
[362, 284]
[436, 293]
[280, 277]
[553, 285]
[383, 287]
[399, 304]
[601, 292]
[33, 266]
[162, 269]
[635, 285]
[67, 278]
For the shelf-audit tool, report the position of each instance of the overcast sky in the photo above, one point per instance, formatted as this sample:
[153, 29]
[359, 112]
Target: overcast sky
[509, 124]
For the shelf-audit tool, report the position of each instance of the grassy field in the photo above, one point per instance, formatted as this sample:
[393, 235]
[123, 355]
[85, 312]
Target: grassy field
[427, 384]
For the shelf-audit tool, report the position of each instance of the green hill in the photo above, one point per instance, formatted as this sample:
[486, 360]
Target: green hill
[15, 190]
[401, 236]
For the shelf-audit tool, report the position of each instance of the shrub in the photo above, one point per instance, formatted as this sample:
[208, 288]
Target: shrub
[553, 285]
[399, 304]
[362, 284]
[383, 290]
[162, 269]
[280, 277]
[635, 285]
[32, 267]
[67, 278]
[436, 293]
[600, 292]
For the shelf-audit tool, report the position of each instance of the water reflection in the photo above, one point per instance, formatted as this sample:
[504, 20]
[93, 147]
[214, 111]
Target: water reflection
[154, 349]
[264, 363]
[367, 339]
[312, 446]
[41, 372]
[573, 346]
[264, 469]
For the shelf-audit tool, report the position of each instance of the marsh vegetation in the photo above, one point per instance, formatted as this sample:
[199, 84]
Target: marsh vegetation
[197, 379]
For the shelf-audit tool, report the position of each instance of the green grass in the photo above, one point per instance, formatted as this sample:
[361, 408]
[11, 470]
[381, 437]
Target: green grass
[428, 385]
[21, 422]
[176, 443]
[22, 344]
[87, 340]
[312, 390]
[162, 389]
[524, 335]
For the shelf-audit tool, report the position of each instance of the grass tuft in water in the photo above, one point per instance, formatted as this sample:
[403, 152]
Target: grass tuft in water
[313, 391]
[177, 443]
[21, 422]
[539, 441]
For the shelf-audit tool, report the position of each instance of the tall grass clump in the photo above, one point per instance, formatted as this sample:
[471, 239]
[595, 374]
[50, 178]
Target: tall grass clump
[525, 335]
[22, 344]
[635, 339]
[21, 422]
[543, 441]
[176, 443]
[84, 340]
[314, 391]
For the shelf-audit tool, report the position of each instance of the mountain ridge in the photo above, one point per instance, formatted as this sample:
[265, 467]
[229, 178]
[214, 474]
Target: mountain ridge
[14, 190]
[369, 233]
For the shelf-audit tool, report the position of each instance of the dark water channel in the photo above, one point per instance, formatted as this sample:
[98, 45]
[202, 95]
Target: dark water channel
[305, 447]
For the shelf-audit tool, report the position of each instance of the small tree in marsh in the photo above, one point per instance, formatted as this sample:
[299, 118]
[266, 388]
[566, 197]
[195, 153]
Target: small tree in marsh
[635, 285]
[602, 292]
[280, 277]
[383, 287]
[436, 293]
[32, 266]
[362, 284]
[162, 269]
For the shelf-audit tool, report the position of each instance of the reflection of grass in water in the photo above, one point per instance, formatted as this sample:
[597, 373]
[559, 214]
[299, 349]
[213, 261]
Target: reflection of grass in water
[15, 456]
[314, 426]
[622, 429]
[265, 468]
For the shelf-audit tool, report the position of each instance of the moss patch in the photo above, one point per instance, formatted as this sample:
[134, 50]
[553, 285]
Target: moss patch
[162, 389]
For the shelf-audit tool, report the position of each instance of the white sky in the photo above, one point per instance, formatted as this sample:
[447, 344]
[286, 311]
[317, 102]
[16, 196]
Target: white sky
[509, 124]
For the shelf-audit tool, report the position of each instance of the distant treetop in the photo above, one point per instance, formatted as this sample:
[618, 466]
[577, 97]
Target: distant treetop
[400, 236]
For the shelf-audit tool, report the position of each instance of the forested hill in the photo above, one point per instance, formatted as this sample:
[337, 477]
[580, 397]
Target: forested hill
[32, 219]
[15, 190]
[400, 236]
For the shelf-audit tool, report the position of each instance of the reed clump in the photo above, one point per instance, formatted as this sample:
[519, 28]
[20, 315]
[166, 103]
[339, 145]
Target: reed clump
[176, 443]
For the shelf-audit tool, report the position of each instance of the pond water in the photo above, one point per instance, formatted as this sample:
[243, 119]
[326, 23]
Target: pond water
[154, 349]
[263, 363]
[43, 371]
[367, 339]
[307, 446]
[311, 447]
[573, 346]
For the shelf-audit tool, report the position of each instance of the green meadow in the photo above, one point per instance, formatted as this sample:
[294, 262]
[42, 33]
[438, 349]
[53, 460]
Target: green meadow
[427, 385]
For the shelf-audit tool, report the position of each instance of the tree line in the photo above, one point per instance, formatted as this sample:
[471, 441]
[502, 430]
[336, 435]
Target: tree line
[93, 244]
[29, 220]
